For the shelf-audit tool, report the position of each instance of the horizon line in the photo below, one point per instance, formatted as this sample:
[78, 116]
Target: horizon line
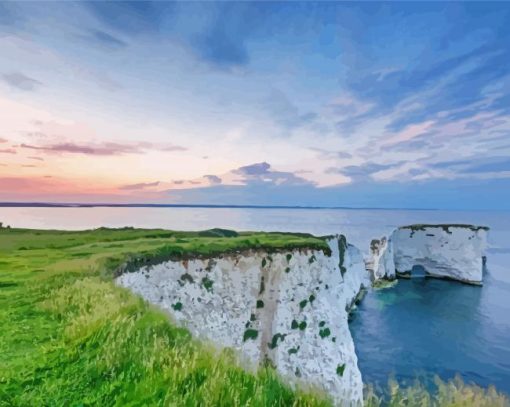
[211, 206]
[225, 206]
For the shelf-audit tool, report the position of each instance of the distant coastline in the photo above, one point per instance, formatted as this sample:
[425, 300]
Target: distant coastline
[149, 205]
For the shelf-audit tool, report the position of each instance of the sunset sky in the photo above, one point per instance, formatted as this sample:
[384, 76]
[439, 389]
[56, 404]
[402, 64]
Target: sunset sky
[321, 104]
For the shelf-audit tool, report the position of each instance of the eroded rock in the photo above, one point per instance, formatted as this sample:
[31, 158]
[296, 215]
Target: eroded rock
[443, 251]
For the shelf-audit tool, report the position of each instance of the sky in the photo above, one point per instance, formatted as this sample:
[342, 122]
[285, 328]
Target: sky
[391, 105]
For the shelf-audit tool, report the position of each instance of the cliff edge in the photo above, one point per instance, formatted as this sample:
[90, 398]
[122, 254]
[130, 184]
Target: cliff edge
[288, 308]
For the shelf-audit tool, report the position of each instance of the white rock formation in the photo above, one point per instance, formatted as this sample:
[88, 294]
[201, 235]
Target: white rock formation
[444, 251]
[289, 308]
[355, 276]
[380, 263]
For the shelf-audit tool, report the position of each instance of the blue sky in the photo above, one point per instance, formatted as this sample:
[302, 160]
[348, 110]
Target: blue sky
[322, 104]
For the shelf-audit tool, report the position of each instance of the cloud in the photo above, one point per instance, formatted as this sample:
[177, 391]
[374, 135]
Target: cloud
[102, 149]
[215, 33]
[213, 179]
[285, 113]
[262, 173]
[21, 81]
[170, 148]
[475, 165]
[99, 149]
[220, 47]
[331, 154]
[410, 132]
[253, 175]
[107, 40]
[142, 185]
[131, 18]
[430, 69]
[36, 158]
[2, 140]
[253, 169]
[7, 151]
[419, 143]
[363, 171]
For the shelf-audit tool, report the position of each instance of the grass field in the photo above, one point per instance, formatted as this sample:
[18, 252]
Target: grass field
[70, 337]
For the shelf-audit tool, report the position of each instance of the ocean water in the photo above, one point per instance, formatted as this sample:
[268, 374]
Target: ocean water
[419, 327]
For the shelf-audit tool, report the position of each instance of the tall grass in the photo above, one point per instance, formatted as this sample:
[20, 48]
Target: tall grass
[117, 350]
[451, 393]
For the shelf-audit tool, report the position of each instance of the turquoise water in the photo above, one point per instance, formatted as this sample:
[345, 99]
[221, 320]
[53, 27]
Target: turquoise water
[420, 326]
[426, 327]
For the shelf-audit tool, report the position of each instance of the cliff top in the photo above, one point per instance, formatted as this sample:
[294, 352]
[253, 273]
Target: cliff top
[132, 248]
[444, 226]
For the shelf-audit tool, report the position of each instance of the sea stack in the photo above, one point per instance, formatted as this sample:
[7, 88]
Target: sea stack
[449, 251]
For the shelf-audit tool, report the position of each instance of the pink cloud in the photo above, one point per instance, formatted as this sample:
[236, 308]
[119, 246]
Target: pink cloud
[142, 185]
[18, 184]
[7, 151]
[101, 149]
[410, 132]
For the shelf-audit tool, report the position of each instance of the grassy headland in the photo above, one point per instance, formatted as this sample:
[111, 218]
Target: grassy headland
[70, 337]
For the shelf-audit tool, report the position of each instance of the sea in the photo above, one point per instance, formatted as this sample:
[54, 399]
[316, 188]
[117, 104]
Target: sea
[419, 328]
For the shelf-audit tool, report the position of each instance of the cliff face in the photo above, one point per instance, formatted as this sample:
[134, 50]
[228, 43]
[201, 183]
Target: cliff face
[289, 308]
[444, 251]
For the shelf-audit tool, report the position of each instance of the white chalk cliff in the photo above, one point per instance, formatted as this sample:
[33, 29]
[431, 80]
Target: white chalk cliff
[289, 308]
[444, 251]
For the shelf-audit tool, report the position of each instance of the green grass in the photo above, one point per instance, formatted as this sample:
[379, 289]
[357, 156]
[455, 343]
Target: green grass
[70, 337]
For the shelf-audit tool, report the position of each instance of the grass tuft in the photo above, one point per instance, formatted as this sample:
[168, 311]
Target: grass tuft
[451, 393]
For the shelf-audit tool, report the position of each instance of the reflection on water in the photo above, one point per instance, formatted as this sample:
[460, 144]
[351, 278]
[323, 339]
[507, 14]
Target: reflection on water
[420, 325]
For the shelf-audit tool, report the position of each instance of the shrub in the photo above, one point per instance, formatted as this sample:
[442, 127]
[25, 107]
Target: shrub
[340, 370]
[250, 334]
[207, 283]
[177, 306]
[274, 341]
[324, 333]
